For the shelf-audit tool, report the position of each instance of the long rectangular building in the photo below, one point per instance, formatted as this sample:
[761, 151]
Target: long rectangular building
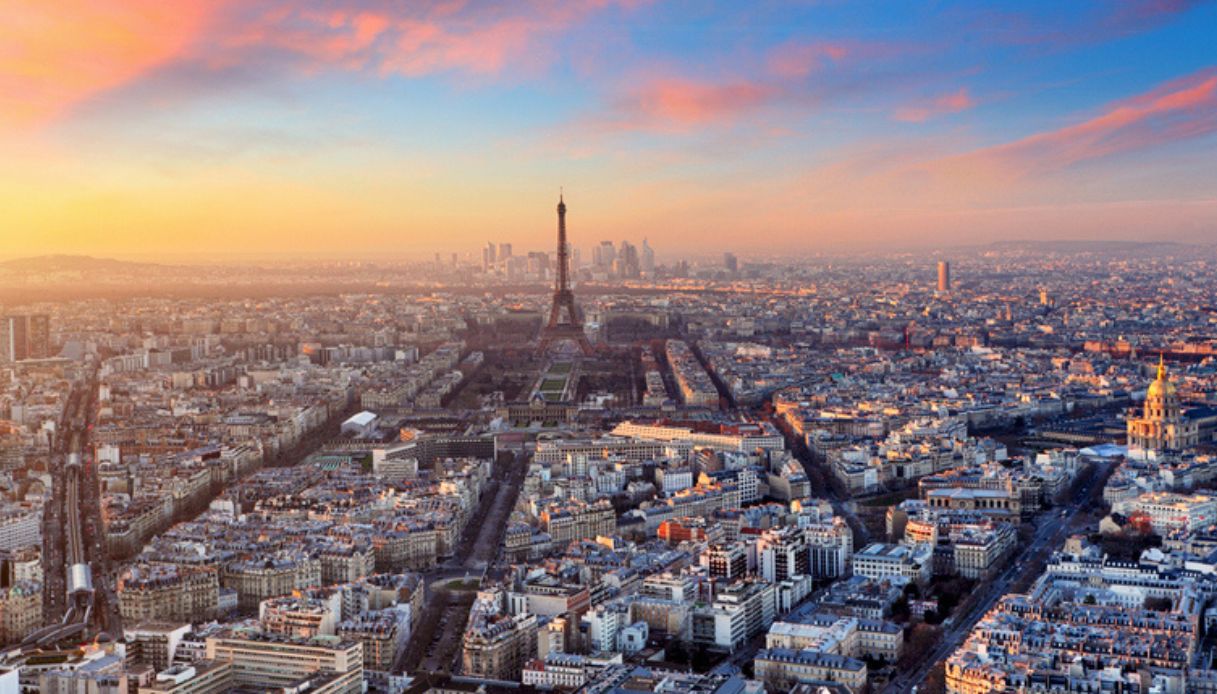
[263, 661]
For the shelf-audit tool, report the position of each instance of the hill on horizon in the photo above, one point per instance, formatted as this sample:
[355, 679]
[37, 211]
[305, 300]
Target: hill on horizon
[75, 263]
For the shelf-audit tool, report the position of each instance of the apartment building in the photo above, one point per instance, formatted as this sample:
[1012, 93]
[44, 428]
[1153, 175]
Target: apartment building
[783, 669]
[881, 560]
[149, 592]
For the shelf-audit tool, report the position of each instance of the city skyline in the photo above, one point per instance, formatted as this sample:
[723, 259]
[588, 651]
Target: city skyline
[269, 128]
[777, 473]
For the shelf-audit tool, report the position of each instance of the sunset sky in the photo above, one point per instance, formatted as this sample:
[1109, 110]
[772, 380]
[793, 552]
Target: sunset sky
[154, 127]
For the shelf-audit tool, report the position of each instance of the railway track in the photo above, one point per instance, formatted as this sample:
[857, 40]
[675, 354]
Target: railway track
[69, 569]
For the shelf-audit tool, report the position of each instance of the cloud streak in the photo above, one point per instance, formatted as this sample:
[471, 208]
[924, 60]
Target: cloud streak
[418, 38]
[799, 76]
[798, 60]
[678, 104]
[943, 105]
[1095, 24]
[54, 55]
[1178, 110]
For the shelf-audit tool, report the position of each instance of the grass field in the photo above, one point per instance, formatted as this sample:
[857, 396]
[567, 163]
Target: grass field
[463, 584]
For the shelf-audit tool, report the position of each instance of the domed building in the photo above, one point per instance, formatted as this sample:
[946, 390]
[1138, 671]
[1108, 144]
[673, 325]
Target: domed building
[1162, 427]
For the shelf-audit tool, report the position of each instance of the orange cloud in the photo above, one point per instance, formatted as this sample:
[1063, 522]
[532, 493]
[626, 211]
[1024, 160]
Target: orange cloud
[941, 106]
[1180, 109]
[55, 54]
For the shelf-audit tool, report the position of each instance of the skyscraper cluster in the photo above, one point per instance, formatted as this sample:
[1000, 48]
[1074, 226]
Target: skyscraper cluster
[608, 261]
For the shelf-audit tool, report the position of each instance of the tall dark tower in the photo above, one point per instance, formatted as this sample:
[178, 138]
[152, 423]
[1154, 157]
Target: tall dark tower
[570, 326]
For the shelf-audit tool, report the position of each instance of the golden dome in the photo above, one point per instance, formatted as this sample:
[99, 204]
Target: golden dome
[1161, 387]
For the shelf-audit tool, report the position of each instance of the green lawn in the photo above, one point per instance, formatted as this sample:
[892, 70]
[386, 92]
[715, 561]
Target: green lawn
[460, 584]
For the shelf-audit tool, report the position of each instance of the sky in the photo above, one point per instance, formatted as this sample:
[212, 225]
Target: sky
[192, 127]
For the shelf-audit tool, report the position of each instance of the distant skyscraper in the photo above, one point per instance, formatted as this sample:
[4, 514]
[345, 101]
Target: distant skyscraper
[731, 263]
[24, 337]
[627, 265]
[607, 254]
[944, 276]
[504, 251]
[538, 263]
[488, 256]
[648, 257]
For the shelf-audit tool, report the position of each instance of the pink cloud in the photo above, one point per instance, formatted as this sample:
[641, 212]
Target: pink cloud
[414, 39]
[798, 60]
[340, 38]
[675, 104]
[943, 105]
[685, 101]
[1180, 109]
[54, 55]
[424, 48]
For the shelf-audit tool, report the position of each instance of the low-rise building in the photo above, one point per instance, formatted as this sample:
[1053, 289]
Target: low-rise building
[262, 661]
[783, 669]
[881, 560]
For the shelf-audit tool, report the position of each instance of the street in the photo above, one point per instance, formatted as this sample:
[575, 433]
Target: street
[1051, 532]
[436, 644]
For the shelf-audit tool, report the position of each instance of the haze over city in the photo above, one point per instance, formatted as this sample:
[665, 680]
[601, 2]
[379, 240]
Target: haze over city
[140, 128]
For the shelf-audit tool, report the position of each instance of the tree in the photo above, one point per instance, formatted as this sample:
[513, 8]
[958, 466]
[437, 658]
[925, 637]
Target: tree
[1128, 545]
[1158, 604]
[935, 682]
[919, 640]
[900, 610]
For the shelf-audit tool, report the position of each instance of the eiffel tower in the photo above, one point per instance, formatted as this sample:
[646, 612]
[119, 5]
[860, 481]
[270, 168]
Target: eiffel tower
[568, 327]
